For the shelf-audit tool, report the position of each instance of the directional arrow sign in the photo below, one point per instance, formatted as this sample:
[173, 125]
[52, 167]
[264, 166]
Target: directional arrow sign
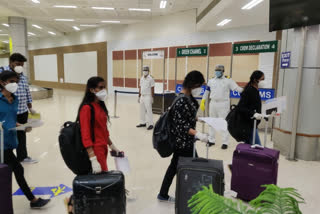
[52, 191]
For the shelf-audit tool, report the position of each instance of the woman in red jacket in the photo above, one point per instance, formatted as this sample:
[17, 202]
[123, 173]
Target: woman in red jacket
[96, 143]
[95, 137]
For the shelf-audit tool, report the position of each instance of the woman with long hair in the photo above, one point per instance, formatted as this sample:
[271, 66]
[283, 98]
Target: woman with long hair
[249, 105]
[183, 117]
[95, 137]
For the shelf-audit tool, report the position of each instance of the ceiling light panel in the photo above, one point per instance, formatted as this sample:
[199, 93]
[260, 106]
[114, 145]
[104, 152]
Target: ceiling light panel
[3, 34]
[86, 25]
[76, 28]
[140, 9]
[110, 21]
[224, 22]
[163, 4]
[102, 8]
[64, 20]
[65, 6]
[251, 4]
[32, 34]
[52, 33]
[4, 24]
[37, 26]
[36, 1]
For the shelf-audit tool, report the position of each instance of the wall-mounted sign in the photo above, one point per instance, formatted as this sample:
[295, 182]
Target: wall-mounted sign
[198, 51]
[255, 47]
[285, 59]
[153, 55]
[265, 94]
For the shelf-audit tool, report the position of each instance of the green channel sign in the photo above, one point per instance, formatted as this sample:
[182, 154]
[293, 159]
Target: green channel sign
[198, 51]
[255, 47]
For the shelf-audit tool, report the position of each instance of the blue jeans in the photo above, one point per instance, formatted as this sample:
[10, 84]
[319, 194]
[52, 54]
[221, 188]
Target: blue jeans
[257, 141]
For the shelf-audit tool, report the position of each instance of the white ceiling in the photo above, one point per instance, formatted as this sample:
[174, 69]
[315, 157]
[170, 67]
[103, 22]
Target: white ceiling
[231, 9]
[43, 14]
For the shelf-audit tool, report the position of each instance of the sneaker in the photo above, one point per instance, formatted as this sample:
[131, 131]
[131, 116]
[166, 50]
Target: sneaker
[169, 199]
[141, 125]
[29, 160]
[40, 203]
[150, 128]
[224, 146]
[211, 144]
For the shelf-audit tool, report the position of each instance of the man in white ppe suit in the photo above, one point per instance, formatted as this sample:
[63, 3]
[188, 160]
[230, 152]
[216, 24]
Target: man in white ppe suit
[146, 94]
[219, 90]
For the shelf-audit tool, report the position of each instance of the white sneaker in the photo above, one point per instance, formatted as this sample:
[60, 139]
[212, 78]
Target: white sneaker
[29, 160]
[169, 200]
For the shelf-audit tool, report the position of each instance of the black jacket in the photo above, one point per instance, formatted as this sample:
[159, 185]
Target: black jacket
[183, 117]
[249, 104]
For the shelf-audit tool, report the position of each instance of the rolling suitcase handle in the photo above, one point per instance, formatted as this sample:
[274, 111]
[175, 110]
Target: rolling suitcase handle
[266, 117]
[1, 144]
[195, 159]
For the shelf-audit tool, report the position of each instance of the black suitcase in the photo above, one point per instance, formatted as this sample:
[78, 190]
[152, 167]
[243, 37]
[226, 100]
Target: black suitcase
[5, 181]
[100, 194]
[192, 175]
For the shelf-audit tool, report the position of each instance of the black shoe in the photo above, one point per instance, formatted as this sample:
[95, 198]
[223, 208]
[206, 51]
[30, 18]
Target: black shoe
[141, 125]
[40, 203]
[211, 144]
[224, 146]
[150, 128]
[230, 167]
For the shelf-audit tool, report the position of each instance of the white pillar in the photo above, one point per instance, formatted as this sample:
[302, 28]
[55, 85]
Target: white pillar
[19, 37]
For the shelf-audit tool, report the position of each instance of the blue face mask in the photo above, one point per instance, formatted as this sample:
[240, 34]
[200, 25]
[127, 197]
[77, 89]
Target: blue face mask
[219, 74]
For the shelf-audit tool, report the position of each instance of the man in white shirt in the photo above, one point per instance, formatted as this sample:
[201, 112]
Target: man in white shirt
[219, 90]
[146, 94]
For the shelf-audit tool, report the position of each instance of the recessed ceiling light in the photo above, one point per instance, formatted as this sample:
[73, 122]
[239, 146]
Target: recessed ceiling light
[36, 1]
[4, 24]
[32, 34]
[140, 9]
[251, 4]
[37, 26]
[52, 33]
[65, 6]
[4, 34]
[85, 25]
[102, 8]
[106, 21]
[224, 22]
[64, 20]
[5, 42]
[76, 28]
[163, 4]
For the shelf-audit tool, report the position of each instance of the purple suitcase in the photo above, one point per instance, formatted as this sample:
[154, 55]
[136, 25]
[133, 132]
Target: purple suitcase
[5, 181]
[253, 166]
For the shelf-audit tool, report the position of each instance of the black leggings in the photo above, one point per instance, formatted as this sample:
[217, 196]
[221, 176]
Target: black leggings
[172, 171]
[11, 160]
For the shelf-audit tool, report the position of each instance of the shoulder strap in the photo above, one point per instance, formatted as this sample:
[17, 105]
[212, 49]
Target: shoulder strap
[93, 138]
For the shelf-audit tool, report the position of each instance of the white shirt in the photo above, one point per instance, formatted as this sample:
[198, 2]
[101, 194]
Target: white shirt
[146, 83]
[220, 88]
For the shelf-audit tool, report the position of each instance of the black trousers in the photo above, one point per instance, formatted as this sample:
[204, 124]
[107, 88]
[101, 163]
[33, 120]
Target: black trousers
[22, 138]
[11, 160]
[172, 171]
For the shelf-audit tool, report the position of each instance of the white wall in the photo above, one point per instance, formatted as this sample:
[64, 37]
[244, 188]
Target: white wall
[174, 30]
[4, 62]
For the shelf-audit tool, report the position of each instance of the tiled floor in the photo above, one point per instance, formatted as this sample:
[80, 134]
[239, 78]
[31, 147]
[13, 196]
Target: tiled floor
[147, 167]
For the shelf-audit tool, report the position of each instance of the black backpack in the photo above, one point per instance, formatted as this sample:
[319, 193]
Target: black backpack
[72, 150]
[237, 127]
[161, 139]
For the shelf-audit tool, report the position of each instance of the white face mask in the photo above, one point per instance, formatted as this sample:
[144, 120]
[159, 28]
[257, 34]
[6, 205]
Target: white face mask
[145, 73]
[102, 95]
[261, 84]
[11, 87]
[196, 92]
[19, 69]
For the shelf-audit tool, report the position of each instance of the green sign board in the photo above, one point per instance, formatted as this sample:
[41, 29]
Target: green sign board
[255, 47]
[198, 51]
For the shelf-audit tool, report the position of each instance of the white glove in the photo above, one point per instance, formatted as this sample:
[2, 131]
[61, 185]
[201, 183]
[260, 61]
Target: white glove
[258, 116]
[96, 168]
[32, 111]
[202, 137]
[114, 148]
